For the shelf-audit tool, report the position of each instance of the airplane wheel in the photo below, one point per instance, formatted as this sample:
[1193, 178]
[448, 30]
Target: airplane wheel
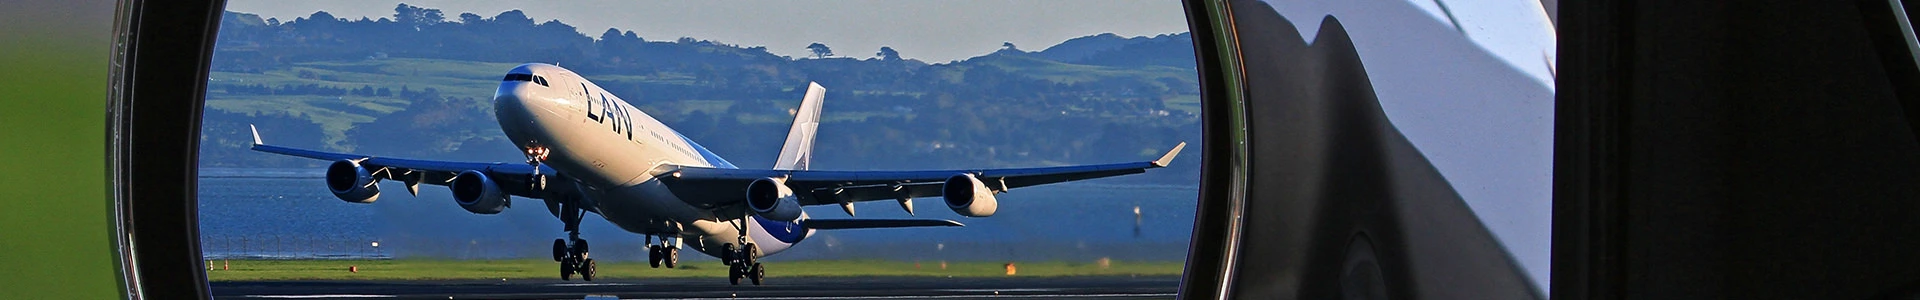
[580, 248]
[726, 254]
[587, 270]
[559, 249]
[759, 272]
[733, 274]
[752, 254]
[653, 255]
[671, 257]
[566, 268]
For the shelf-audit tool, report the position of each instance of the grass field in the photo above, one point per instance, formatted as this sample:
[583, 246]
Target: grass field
[337, 114]
[1187, 103]
[1074, 73]
[422, 269]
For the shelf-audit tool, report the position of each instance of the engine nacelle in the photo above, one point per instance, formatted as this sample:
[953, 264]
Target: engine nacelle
[967, 196]
[350, 182]
[770, 198]
[477, 193]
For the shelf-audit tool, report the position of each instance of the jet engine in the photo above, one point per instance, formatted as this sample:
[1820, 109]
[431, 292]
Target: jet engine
[350, 182]
[967, 196]
[770, 198]
[477, 193]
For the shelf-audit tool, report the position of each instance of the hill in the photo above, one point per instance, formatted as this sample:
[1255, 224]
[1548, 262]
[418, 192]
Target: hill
[416, 85]
[1171, 50]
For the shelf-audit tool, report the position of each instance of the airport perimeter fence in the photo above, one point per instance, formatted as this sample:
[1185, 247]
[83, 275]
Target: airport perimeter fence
[296, 246]
[290, 247]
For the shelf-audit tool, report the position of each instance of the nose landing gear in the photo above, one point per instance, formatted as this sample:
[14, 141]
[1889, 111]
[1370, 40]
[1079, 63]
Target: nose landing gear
[536, 154]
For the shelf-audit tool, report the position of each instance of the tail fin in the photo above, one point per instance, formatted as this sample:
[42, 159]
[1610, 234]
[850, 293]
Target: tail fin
[799, 148]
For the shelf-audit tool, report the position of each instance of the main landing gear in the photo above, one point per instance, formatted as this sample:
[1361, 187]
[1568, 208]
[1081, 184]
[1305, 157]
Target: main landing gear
[572, 256]
[666, 253]
[742, 261]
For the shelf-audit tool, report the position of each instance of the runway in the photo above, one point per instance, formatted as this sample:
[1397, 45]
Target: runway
[1156, 287]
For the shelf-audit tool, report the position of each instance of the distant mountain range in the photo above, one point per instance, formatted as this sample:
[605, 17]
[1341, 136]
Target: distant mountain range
[1109, 49]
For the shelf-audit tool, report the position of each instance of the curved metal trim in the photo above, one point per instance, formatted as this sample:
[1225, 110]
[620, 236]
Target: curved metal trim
[160, 65]
[1212, 252]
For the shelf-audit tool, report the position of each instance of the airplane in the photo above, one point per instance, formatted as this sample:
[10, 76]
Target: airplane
[589, 151]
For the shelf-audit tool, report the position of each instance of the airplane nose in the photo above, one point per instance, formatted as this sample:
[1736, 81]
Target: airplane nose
[520, 100]
[523, 114]
[510, 104]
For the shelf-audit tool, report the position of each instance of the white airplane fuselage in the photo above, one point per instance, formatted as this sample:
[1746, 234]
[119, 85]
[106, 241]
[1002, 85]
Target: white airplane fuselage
[612, 151]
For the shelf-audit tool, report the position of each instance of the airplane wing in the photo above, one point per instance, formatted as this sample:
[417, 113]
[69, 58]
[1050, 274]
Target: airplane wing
[831, 224]
[714, 187]
[512, 177]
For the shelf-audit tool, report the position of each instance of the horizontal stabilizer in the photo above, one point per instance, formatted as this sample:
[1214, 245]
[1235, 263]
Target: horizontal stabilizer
[826, 224]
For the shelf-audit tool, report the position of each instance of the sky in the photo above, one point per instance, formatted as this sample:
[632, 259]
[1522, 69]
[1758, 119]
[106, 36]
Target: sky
[932, 31]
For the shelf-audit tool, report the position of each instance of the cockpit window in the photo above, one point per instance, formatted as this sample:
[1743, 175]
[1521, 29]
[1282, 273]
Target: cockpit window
[526, 77]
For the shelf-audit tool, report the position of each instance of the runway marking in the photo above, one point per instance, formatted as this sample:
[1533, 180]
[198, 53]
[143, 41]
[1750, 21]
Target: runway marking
[590, 284]
[318, 296]
[1049, 296]
[1001, 290]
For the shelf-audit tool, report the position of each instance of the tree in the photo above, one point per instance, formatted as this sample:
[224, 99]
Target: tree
[471, 19]
[416, 17]
[1009, 46]
[612, 34]
[820, 50]
[513, 18]
[887, 53]
[321, 17]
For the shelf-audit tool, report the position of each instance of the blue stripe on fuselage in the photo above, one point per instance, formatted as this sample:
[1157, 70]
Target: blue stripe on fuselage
[785, 232]
[712, 159]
